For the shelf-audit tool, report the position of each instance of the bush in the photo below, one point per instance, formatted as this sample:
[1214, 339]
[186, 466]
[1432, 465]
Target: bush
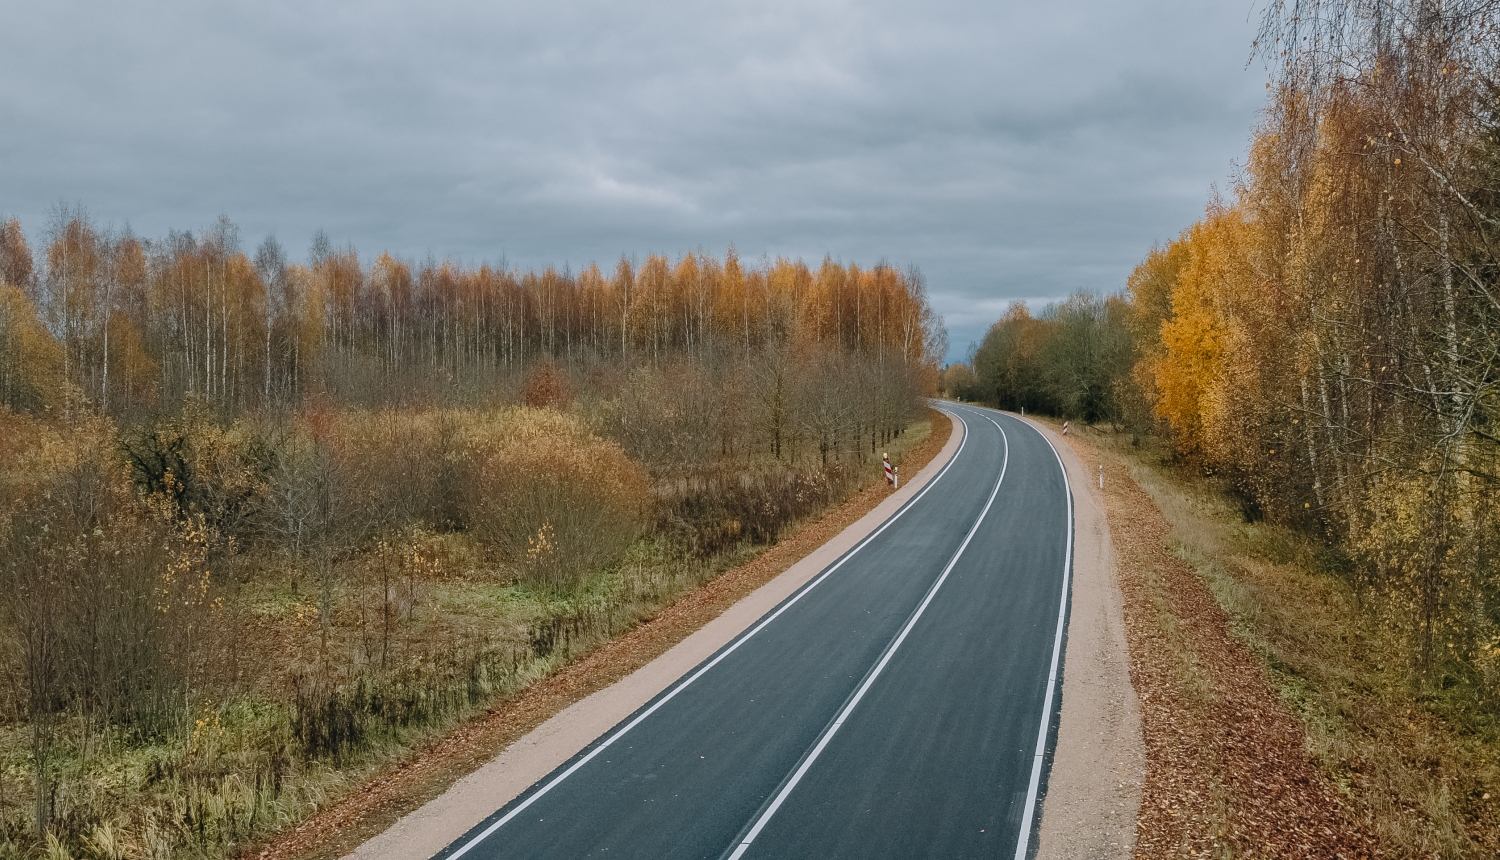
[106, 596]
[546, 387]
[549, 495]
[709, 512]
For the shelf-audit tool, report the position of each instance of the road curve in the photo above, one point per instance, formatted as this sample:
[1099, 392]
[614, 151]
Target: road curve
[892, 707]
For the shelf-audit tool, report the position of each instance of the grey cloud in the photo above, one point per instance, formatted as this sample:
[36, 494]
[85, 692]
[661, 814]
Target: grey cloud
[1011, 150]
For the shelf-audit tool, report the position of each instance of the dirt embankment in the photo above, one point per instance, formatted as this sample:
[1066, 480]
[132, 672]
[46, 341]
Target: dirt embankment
[1227, 768]
[429, 772]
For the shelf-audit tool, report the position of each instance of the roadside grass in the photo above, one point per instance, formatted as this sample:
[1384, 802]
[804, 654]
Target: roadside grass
[1416, 757]
[323, 705]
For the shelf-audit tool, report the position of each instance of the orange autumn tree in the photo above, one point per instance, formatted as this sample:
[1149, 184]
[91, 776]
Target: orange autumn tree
[145, 323]
[1327, 342]
[31, 360]
[1201, 370]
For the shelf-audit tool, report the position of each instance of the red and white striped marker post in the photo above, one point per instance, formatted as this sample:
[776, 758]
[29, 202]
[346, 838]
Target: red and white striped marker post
[890, 471]
[1065, 428]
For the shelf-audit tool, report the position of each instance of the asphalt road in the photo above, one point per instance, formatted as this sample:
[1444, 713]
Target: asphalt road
[892, 707]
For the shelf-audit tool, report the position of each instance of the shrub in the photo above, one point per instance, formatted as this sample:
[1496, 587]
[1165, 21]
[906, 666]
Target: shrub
[545, 387]
[549, 495]
[712, 510]
[107, 595]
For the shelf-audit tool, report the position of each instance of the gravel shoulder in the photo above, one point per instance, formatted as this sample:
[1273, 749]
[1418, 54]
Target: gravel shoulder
[438, 793]
[1094, 789]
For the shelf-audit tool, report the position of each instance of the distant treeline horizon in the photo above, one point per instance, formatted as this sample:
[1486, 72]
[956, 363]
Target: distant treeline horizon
[131, 323]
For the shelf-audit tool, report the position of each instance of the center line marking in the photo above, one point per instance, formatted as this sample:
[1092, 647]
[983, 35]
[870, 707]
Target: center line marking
[885, 658]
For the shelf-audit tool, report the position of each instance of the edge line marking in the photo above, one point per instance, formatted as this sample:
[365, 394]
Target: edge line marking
[1062, 617]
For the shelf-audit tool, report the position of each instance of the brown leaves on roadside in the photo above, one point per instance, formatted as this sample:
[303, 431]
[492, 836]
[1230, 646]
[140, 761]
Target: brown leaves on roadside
[1227, 771]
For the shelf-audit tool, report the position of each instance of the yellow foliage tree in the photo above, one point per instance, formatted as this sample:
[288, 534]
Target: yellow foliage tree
[31, 359]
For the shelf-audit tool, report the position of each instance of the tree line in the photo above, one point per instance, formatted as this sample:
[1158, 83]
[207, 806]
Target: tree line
[1328, 340]
[130, 323]
[1065, 360]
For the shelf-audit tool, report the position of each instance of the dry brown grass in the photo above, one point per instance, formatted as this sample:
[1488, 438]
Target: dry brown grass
[1272, 694]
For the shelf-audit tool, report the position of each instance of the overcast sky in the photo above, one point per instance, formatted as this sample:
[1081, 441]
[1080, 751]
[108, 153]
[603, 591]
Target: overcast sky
[1010, 150]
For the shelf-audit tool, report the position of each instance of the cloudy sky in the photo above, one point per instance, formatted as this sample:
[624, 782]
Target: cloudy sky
[1010, 150]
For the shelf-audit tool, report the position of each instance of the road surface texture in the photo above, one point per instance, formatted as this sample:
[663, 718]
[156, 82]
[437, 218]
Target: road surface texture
[892, 707]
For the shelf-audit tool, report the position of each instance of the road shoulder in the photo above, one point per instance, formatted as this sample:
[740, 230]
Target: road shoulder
[468, 801]
[1094, 787]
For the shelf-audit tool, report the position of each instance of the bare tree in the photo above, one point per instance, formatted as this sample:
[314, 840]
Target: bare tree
[271, 265]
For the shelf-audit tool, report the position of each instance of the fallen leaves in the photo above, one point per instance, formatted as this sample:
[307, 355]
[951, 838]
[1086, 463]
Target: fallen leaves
[1227, 770]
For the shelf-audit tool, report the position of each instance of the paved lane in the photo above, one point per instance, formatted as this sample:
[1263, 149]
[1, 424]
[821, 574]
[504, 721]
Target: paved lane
[937, 759]
[940, 744]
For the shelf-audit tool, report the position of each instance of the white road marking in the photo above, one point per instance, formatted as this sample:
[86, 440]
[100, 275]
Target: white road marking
[1062, 617]
[522, 806]
[874, 673]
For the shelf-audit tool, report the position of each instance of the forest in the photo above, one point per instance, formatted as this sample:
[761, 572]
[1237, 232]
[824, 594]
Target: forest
[264, 525]
[1325, 342]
